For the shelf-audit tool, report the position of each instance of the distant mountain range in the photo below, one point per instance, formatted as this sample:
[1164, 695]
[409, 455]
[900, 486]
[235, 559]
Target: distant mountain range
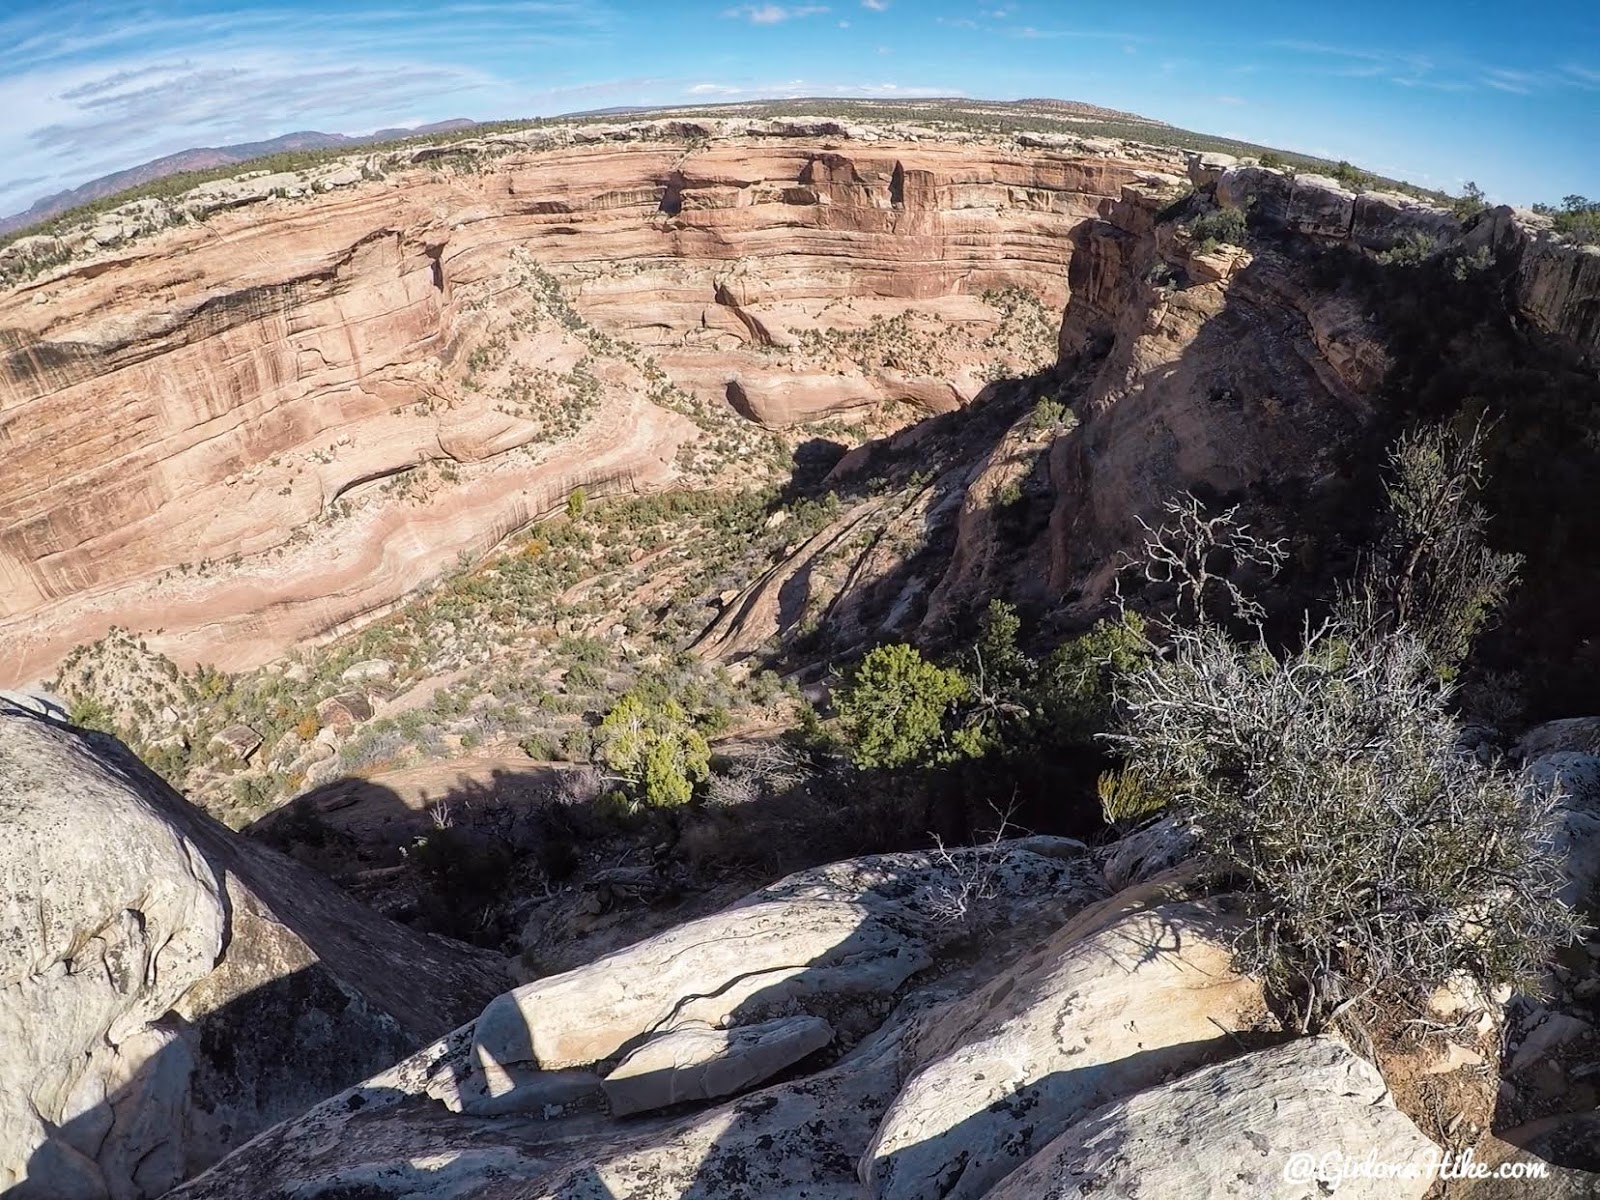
[204, 158]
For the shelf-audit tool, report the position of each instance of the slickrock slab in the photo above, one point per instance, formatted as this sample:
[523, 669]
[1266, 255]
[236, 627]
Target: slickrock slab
[1256, 1127]
[707, 1064]
[1084, 1021]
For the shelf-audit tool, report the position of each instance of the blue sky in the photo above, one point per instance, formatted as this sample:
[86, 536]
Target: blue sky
[1436, 92]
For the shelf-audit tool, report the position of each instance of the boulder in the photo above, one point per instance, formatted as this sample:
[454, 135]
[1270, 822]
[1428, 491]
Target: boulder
[168, 988]
[35, 248]
[1148, 852]
[1573, 735]
[109, 916]
[1382, 220]
[802, 1137]
[1309, 204]
[794, 1139]
[705, 1063]
[1205, 170]
[1576, 836]
[1265, 193]
[341, 177]
[1049, 141]
[40, 703]
[1556, 284]
[372, 670]
[1546, 1032]
[752, 960]
[1321, 206]
[240, 741]
[1563, 1153]
[1093, 1016]
[344, 712]
[835, 943]
[1241, 1128]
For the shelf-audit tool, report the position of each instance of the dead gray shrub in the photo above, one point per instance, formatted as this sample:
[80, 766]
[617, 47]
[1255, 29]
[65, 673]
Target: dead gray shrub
[1377, 856]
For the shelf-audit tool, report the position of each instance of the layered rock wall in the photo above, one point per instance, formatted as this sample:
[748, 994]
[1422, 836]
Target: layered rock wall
[205, 428]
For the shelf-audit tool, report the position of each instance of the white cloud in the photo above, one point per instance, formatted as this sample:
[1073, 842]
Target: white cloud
[875, 5]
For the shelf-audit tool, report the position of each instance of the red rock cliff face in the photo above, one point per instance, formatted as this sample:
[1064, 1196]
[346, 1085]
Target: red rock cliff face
[264, 428]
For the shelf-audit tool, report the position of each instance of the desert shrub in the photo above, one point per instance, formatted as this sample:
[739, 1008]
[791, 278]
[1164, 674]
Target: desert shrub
[1470, 203]
[1050, 417]
[581, 677]
[895, 706]
[1076, 691]
[467, 874]
[254, 792]
[1375, 854]
[1352, 177]
[1130, 797]
[1221, 226]
[1431, 571]
[583, 649]
[540, 747]
[1273, 161]
[577, 501]
[1413, 249]
[88, 712]
[653, 746]
[1576, 218]
[578, 745]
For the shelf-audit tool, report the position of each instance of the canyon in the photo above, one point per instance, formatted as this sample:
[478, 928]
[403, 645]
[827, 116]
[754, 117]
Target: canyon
[361, 500]
[264, 412]
[199, 425]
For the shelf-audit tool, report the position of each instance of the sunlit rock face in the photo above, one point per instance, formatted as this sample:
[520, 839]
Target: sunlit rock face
[267, 425]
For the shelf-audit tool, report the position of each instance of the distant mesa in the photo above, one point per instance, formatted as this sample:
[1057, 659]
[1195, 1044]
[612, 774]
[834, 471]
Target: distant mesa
[206, 158]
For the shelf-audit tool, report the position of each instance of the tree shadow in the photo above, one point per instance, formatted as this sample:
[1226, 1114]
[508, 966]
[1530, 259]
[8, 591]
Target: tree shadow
[160, 1128]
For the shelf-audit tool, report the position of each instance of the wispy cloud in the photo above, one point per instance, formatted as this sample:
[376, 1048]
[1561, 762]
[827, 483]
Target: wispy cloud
[794, 89]
[1110, 35]
[1410, 69]
[84, 95]
[774, 14]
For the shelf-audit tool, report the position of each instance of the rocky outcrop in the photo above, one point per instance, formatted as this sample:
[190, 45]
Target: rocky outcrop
[355, 376]
[168, 989]
[834, 944]
[1556, 283]
[691, 1064]
[1561, 757]
[1025, 1060]
[1224, 374]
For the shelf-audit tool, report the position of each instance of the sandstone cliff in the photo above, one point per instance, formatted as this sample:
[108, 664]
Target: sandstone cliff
[261, 427]
[273, 407]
